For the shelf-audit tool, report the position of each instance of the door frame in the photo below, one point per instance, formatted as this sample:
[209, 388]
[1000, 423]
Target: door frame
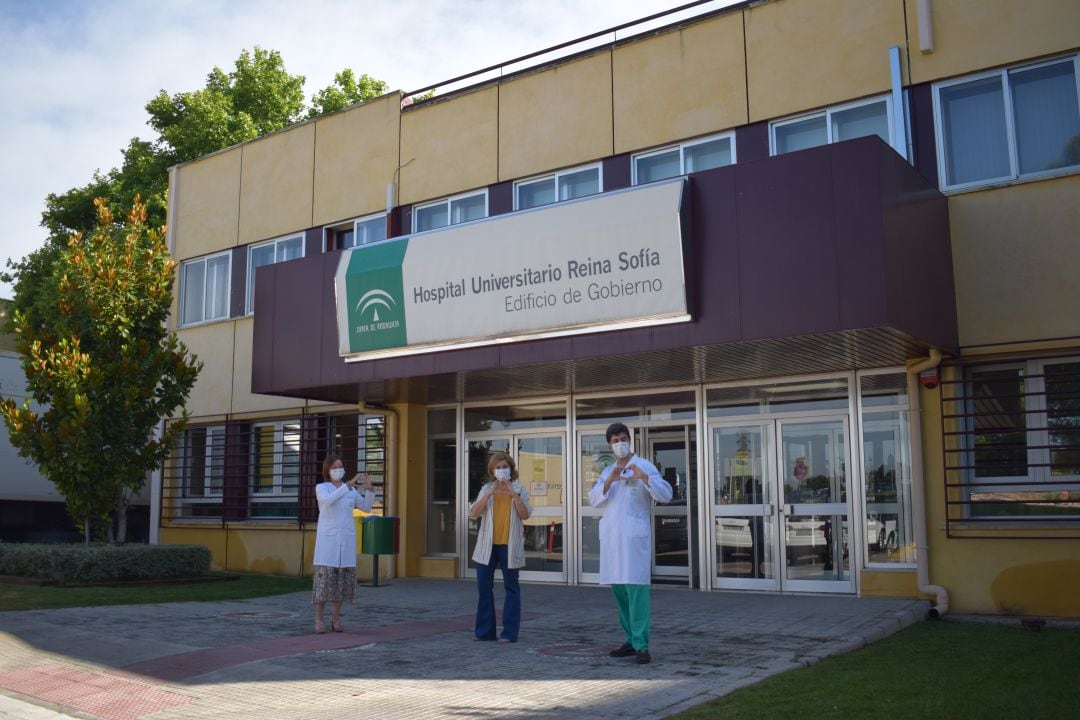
[772, 426]
[569, 536]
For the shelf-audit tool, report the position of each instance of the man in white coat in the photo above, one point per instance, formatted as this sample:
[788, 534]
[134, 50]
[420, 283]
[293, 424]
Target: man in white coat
[625, 491]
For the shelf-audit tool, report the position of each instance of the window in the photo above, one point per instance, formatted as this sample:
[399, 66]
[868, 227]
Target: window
[204, 289]
[364, 231]
[204, 461]
[1016, 452]
[681, 159]
[268, 253]
[1009, 124]
[886, 457]
[563, 185]
[450, 211]
[193, 478]
[844, 122]
[275, 469]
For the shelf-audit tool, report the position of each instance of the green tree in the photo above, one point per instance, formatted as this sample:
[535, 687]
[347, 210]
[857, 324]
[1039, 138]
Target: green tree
[101, 364]
[347, 90]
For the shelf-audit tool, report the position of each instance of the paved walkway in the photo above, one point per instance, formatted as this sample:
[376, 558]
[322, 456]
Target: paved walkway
[407, 652]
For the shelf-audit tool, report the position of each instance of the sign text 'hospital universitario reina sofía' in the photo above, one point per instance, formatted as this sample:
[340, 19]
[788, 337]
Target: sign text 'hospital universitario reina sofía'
[607, 262]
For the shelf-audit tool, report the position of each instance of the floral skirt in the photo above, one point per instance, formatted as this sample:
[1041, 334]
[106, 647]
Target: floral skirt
[334, 584]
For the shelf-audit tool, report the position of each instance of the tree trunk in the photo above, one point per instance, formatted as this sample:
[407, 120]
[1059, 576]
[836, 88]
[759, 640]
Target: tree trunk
[86, 530]
[121, 515]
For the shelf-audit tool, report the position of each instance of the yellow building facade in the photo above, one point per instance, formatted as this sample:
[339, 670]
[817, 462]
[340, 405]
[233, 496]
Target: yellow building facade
[818, 255]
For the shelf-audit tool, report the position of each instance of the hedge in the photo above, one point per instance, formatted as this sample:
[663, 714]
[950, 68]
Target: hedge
[73, 564]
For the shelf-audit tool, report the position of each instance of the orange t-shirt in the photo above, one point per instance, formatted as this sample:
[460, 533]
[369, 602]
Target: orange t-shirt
[500, 514]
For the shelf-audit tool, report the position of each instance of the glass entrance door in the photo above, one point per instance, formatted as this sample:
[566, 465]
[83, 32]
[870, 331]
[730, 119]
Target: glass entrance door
[672, 451]
[781, 505]
[541, 469]
[813, 462]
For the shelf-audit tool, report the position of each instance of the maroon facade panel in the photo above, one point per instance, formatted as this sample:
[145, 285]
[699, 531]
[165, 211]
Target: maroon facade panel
[832, 239]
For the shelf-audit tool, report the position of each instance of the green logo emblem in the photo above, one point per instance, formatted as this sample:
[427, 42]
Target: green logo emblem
[375, 297]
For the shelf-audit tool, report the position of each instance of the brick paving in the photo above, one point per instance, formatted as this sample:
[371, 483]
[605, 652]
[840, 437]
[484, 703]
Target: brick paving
[408, 652]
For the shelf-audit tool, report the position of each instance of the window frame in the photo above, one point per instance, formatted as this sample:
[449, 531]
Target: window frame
[681, 147]
[1014, 175]
[353, 225]
[210, 460]
[828, 112]
[205, 259]
[448, 202]
[599, 167]
[1038, 453]
[276, 492]
[249, 290]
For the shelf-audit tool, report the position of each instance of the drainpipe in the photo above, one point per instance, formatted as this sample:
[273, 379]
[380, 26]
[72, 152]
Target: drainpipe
[918, 490]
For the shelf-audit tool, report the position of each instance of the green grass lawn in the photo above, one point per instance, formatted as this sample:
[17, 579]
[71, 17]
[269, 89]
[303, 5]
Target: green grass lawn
[32, 597]
[930, 670]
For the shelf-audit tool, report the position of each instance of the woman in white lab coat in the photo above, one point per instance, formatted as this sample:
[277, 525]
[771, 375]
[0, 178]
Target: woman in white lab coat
[625, 492]
[335, 540]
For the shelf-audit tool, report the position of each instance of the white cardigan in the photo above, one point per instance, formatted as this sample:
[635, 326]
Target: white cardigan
[484, 540]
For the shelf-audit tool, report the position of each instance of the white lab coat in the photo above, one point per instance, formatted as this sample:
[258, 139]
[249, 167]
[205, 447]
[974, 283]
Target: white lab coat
[335, 538]
[626, 524]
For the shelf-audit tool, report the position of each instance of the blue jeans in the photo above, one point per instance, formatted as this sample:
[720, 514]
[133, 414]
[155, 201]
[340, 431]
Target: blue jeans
[485, 608]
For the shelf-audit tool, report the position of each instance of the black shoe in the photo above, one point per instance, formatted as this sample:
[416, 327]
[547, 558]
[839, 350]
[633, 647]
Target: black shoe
[624, 650]
[643, 657]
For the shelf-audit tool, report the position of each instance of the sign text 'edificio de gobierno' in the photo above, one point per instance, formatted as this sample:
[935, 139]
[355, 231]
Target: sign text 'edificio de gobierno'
[602, 263]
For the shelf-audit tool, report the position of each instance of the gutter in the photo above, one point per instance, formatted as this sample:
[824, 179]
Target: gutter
[918, 489]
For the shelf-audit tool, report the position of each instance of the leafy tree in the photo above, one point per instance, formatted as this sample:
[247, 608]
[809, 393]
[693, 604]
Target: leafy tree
[257, 97]
[101, 363]
[347, 90]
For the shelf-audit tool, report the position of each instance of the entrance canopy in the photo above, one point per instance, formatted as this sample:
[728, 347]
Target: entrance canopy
[832, 258]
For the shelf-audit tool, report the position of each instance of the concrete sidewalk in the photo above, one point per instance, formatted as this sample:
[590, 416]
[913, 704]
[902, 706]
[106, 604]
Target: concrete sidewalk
[407, 652]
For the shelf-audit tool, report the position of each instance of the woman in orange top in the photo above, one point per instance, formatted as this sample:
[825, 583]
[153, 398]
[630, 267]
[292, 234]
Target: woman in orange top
[502, 505]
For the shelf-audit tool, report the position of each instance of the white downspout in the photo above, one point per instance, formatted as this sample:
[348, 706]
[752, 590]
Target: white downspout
[918, 490]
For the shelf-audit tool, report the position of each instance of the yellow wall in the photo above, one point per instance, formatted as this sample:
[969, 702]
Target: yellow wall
[212, 344]
[888, 583]
[680, 84]
[1015, 260]
[449, 147]
[993, 576]
[243, 400]
[206, 197]
[356, 153]
[972, 35]
[803, 54]
[555, 118]
[276, 184]
[410, 487]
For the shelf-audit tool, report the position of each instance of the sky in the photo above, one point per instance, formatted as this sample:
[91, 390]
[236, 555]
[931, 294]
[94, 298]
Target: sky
[77, 74]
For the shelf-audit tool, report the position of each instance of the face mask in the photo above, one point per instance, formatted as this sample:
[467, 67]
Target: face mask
[502, 473]
[337, 473]
[621, 449]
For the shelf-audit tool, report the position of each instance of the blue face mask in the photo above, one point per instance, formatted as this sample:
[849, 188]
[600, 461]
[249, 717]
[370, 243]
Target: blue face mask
[502, 473]
[621, 449]
[337, 473]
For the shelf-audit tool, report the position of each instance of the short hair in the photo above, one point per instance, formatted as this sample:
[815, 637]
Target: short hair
[330, 460]
[615, 429]
[498, 457]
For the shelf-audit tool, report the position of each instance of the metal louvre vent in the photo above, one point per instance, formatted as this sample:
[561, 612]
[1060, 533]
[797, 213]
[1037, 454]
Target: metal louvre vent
[834, 352]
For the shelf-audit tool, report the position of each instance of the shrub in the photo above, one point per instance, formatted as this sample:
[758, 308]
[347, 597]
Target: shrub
[102, 564]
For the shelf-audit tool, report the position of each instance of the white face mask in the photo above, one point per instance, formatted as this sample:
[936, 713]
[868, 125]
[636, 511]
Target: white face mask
[621, 449]
[502, 473]
[337, 473]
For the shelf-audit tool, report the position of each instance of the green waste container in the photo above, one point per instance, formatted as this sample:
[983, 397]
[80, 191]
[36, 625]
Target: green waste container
[379, 537]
